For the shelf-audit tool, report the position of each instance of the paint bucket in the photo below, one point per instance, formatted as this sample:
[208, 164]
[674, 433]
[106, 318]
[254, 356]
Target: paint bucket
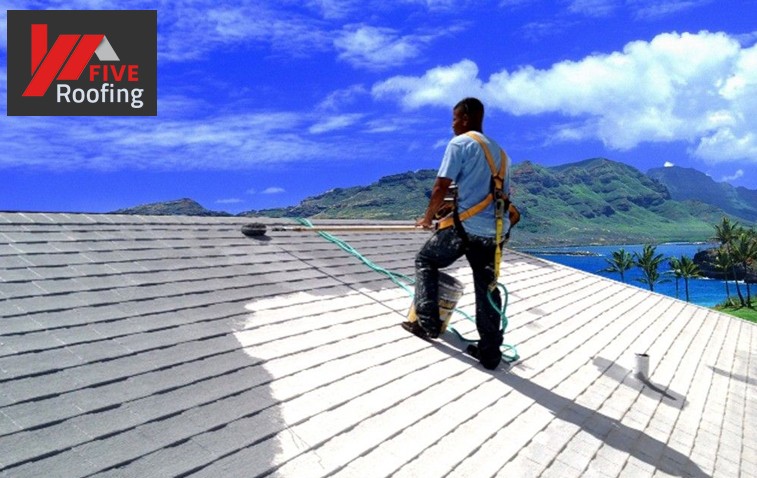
[450, 291]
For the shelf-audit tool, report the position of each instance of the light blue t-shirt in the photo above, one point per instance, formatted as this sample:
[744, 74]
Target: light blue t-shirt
[465, 163]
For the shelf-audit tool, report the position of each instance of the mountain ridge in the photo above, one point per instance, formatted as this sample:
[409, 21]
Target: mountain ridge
[691, 184]
[176, 207]
[594, 201]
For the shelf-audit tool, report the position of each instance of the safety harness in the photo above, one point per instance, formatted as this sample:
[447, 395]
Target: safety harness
[497, 195]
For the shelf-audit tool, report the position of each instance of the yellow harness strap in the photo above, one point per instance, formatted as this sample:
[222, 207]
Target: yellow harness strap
[499, 177]
[499, 210]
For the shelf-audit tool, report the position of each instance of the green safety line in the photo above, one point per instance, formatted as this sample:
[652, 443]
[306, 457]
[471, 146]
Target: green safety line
[509, 353]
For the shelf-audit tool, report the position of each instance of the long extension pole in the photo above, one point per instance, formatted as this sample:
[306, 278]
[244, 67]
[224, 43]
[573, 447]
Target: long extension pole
[258, 229]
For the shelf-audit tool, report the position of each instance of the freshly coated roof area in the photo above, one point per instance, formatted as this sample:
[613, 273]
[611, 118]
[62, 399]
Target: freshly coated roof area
[134, 346]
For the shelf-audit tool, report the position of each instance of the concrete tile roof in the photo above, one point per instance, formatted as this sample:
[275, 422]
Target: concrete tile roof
[173, 346]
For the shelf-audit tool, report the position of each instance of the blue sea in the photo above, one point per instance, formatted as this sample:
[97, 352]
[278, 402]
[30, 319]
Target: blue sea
[702, 291]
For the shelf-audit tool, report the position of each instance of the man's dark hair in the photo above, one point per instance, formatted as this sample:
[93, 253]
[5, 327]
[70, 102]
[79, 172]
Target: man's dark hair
[473, 108]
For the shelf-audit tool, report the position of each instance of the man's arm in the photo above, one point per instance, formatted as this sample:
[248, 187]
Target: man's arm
[438, 193]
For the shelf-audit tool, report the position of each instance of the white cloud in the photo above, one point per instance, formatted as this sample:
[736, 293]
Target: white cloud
[639, 9]
[383, 126]
[229, 201]
[448, 5]
[700, 88]
[336, 122]
[515, 3]
[222, 142]
[377, 48]
[333, 8]
[653, 9]
[345, 96]
[3, 30]
[593, 8]
[668, 164]
[190, 29]
[725, 144]
[440, 86]
[535, 31]
[268, 190]
[738, 174]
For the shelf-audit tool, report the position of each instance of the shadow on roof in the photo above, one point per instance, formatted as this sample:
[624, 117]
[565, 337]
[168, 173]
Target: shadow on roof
[644, 385]
[609, 431]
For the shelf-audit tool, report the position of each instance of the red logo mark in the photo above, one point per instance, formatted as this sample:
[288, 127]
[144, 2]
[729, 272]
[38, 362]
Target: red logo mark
[66, 59]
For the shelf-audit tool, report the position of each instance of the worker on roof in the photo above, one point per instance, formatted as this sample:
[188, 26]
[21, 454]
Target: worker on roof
[465, 164]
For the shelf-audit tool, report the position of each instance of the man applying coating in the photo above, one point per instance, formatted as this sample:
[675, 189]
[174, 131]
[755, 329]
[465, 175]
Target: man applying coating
[465, 164]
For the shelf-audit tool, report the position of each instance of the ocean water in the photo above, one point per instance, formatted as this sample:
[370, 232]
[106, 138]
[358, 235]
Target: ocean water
[702, 291]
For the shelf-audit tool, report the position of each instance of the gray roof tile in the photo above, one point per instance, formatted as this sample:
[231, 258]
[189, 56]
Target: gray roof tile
[54, 259]
[174, 345]
[70, 461]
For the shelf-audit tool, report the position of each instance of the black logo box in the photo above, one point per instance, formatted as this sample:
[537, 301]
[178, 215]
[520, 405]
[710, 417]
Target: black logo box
[133, 34]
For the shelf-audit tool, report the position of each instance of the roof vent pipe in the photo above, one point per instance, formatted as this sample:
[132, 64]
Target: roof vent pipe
[642, 366]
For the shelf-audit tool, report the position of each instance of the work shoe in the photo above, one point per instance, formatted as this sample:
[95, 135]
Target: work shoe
[473, 351]
[416, 329]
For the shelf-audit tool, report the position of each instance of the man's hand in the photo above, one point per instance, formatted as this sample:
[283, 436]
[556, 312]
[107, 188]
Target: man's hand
[436, 202]
[424, 223]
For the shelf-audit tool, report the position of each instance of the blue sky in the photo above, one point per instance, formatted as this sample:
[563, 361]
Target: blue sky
[263, 103]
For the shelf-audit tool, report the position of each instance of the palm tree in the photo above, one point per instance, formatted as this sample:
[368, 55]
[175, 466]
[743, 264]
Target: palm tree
[621, 261]
[726, 233]
[649, 263]
[675, 268]
[744, 252]
[752, 257]
[689, 270]
[724, 262]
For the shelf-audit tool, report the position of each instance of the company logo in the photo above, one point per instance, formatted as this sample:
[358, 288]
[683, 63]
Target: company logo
[82, 63]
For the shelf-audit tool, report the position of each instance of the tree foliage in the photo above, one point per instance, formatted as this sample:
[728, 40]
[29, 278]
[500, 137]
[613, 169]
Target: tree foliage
[738, 248]
[675, 268]
[621, 261]
[649, 263]
[688, 270]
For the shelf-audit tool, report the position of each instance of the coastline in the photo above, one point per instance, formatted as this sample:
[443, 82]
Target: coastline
[537, 252]
[706, 292]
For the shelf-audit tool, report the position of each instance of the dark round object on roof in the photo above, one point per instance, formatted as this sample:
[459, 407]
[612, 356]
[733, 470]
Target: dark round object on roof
[254, 230]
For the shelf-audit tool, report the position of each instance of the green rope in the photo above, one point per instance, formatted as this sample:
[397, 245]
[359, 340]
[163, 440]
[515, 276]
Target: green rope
[509, 353]
[395, 277]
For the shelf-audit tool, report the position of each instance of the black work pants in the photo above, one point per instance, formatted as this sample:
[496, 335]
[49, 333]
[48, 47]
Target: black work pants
[442, 249]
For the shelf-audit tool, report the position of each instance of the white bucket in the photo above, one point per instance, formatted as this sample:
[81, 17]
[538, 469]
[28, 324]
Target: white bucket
[450, 291]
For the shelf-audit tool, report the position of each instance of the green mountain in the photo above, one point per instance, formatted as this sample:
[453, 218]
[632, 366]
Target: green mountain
[602, 201]
[399, 196]
[592, 201]
[690, 184]
[179, 207]
[596, 201]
